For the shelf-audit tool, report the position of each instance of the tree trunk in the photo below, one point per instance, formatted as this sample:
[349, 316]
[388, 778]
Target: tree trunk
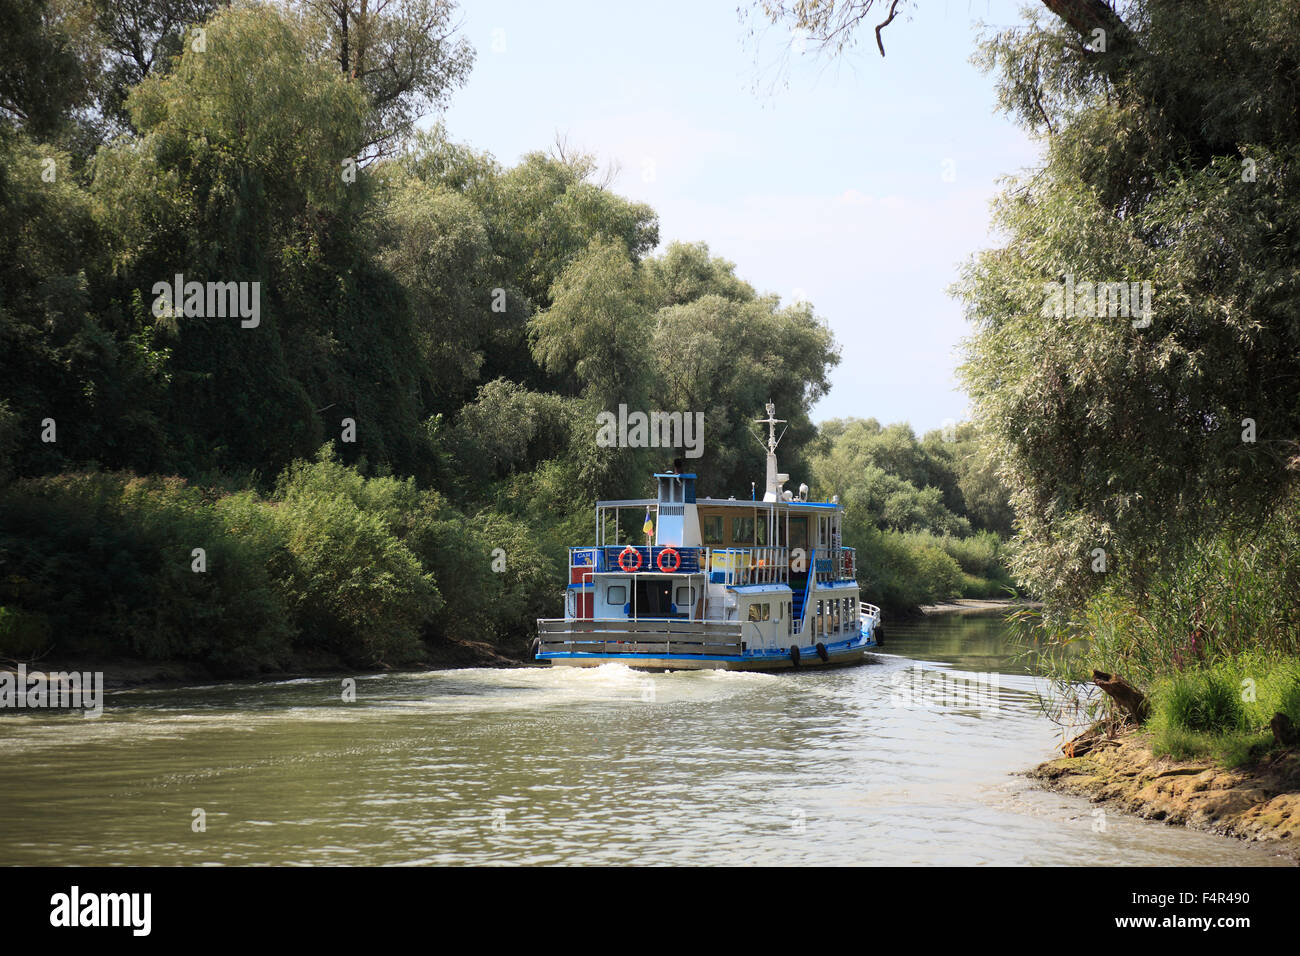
[1131, 701]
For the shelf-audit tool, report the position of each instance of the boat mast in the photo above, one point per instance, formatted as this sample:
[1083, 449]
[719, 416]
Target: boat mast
[774, 478]
[773, 491]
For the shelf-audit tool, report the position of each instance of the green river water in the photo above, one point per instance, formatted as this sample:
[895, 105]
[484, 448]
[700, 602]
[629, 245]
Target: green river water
[560, 766]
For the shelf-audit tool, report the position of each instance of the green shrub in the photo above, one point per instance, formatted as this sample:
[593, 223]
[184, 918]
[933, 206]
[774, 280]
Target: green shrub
[903, 572]
[1223, 710]
[352, 584]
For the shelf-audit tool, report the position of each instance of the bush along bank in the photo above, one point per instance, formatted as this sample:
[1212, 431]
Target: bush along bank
[330, 569]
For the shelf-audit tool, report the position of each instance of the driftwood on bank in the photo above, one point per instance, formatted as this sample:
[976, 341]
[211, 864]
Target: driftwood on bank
[1131, 701]
[1086, 742]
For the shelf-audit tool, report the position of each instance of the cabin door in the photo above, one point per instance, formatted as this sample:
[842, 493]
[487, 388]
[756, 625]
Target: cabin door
[654, 598]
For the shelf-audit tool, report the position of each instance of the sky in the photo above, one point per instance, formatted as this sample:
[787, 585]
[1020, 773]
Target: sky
[859, 184]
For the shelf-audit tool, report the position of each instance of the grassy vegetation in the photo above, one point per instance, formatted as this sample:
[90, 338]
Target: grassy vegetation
[1223, 710]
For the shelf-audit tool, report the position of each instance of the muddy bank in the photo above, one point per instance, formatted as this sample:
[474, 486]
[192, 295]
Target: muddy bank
[1259, 802]
[120, 675]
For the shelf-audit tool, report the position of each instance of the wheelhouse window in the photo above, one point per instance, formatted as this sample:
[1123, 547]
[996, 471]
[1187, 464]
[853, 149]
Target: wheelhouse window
[711, 529]
[798, 537]
[767, 612]
[754, 612]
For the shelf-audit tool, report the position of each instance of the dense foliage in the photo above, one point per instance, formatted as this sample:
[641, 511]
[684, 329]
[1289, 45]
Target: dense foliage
[927, 516]
[1151, 454]
[1136, 349]
[447, 327]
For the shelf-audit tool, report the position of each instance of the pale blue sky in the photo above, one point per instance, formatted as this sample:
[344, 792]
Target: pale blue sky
[829, 186]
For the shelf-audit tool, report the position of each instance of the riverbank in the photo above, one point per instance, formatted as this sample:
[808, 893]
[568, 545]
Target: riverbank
[1259, 802]
[973, 605]
[125, 674]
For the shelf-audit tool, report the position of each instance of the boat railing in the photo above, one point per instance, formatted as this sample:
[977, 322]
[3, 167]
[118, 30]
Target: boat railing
[848, 563]
[652, 636]
[731, 566]
[635, 559]
[740, 566]
[868, 613]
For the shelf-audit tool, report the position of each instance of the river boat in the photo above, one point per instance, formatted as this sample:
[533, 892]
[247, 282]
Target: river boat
[718, 584]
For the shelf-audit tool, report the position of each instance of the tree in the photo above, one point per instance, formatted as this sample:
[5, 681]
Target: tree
[1128, 430]
[595, 333]
[42, 78]
[134, 38]
[833, 24]
[403, 53]
[435, 243]
[727, 357]
[237, 175]
[546, 212]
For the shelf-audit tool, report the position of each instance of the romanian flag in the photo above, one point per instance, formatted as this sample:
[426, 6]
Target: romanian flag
[649, 526]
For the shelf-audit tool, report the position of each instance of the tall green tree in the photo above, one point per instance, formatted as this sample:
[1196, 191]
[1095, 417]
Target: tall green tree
[405, 55]
[1133, 432]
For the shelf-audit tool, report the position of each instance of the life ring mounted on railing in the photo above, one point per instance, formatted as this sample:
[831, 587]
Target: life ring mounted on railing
[622, 556]
[669, 552]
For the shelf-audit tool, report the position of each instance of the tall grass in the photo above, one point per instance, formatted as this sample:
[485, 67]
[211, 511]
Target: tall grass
[1224, 709]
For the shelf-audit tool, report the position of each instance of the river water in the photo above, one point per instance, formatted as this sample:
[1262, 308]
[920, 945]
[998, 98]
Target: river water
[912, 760]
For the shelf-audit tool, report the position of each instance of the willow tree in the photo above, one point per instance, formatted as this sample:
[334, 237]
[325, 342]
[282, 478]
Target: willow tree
[1171, 170]
[1134, 366]
[405, 54]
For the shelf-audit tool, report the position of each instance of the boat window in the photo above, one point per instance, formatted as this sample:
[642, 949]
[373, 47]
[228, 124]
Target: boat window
[754, 612]
[711, 529]
[683, 597]
[742, 531]
[616, 594]
[767, 612]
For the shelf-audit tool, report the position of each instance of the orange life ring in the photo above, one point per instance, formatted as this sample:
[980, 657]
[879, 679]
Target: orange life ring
[677, 560]
[624, 553]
